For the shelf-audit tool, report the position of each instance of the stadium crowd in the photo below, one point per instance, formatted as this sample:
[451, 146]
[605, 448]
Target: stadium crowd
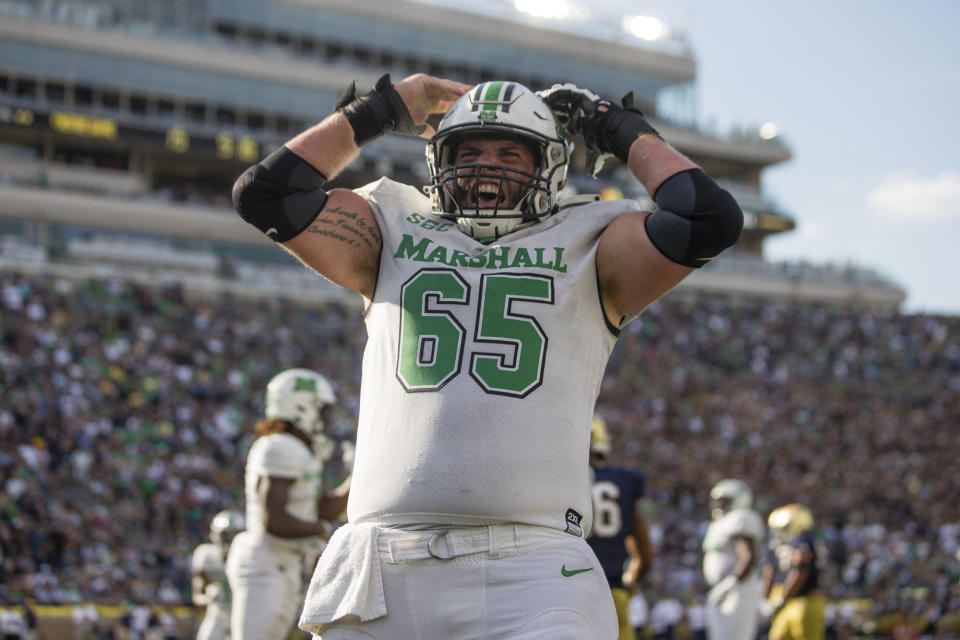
[126, 413]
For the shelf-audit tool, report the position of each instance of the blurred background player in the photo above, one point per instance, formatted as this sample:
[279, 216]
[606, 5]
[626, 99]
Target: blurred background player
[208, 578]
[797, 603]
[620, 537]
[85, 619]
[732, 547]
[287, 510]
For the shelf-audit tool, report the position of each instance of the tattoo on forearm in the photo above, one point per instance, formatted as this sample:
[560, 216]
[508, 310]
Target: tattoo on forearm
[346, 226]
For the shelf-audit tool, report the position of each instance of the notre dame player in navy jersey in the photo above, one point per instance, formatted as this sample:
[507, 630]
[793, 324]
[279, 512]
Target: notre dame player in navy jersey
[798, 603]
[619, 536]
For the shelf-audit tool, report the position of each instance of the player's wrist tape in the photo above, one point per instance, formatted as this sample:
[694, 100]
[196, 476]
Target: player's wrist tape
[280, 195]
[622, 125]
[696, 218]
[376, 113]
[622, 128]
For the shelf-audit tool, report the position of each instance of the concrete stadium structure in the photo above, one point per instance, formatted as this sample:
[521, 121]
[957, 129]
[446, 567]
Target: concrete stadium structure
[124, 122]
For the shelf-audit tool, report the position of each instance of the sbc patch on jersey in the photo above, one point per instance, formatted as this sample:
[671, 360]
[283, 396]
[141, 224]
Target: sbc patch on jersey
[573, 523]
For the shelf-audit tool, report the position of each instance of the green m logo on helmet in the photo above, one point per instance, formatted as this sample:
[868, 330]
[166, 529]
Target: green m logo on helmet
[305, 384]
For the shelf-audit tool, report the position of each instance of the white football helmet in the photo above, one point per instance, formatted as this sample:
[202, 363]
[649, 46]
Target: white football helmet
[727, 495]
[498, 110]
[225, 525]
[304, 398]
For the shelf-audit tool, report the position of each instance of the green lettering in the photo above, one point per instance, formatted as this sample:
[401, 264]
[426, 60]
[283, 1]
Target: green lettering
[459, 258]
[439, 254]
[408, 249]
[558, 262]
[479, 260]
[522, 259]
[497, 257]
[500, 257]
[414, 218]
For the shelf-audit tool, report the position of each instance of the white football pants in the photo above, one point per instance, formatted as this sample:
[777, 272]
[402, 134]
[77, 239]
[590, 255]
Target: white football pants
[265, 584]
[503, 581]
[736, 616]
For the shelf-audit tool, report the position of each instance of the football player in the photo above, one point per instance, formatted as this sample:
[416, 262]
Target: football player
[732, 547]
[471, 477]
[797, 604]
[208, 578]
[620, 536]
[287, 509]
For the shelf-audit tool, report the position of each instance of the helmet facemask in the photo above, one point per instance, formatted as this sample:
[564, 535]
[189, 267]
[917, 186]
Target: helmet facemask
[513, 198]
[313, 418]
[728, 495]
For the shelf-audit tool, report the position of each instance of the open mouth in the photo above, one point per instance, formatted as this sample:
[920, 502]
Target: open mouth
[485, 195]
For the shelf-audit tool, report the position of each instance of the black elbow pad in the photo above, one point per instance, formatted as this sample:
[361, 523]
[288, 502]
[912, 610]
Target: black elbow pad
[281, 195]
[696, 219]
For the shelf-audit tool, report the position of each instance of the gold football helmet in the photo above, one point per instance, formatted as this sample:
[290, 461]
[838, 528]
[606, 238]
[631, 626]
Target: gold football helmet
[599, 437]
[791, 519]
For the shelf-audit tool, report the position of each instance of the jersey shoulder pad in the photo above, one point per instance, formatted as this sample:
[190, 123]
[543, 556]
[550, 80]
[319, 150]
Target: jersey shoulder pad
[278, 454]
[745, 522]
[206, 557]
[387, 188]
[577, 200]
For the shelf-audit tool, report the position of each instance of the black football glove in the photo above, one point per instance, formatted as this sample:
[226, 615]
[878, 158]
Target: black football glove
[376, 113]
[607, 129]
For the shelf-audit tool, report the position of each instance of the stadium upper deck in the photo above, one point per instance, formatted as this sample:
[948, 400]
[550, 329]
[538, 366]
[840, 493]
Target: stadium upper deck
[168, 102]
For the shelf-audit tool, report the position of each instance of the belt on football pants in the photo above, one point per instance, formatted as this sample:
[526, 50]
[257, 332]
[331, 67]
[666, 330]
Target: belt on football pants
[397, 545]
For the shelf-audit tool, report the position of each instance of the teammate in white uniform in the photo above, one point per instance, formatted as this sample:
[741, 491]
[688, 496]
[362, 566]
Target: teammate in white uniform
[209, 579]
[287, 511]
[732, 547]
[491, 311]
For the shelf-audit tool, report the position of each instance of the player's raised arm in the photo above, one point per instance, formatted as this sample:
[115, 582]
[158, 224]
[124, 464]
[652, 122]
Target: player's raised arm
[643, 255]
[336, 233]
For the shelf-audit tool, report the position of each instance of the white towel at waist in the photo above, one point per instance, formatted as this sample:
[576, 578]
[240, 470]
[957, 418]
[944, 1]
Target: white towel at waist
[346, 580]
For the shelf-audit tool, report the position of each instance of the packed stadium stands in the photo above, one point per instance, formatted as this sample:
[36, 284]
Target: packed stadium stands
[140, 319]
[138, 404]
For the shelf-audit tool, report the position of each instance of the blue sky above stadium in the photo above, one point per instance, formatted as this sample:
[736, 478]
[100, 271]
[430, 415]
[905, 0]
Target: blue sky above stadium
[866, 94]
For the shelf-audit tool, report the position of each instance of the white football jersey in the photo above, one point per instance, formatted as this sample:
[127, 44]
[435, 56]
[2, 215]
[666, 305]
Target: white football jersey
[481, 370]
[719, 555]
[208, 558]
[285, 456]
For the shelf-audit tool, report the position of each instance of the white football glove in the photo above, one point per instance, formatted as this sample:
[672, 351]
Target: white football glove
[719, 591]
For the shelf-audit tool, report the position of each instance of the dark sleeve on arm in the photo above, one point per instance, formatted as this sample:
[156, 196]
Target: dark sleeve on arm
[696, 219]
[280, 195]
